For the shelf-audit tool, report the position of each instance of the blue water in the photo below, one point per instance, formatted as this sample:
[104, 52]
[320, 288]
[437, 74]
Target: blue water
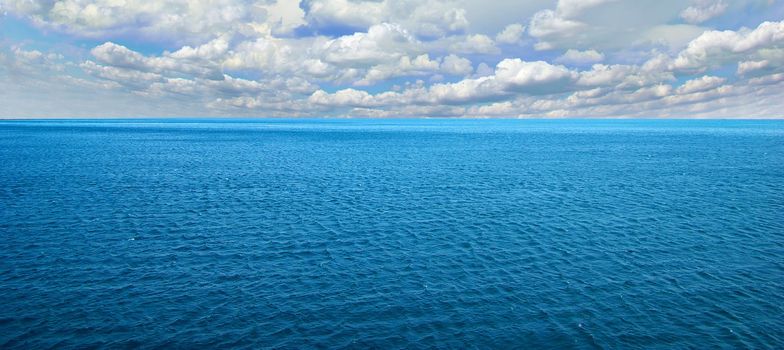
[392, 234]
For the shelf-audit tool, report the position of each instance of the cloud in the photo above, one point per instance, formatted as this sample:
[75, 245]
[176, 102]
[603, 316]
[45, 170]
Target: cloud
[358, 15]
[433, 19]
[384, 58]
[512, 34]
[437, 19]
[346, 97]
[192, 21]
[512, 76]
[456, 65]
[610, 24]
[622, 76]
[573, 8]
[475, 43]
[747, 99]
[703, 10]
[563, 22]
[547, 24]
[382, 43]
[183, 61]
[405, 65]
[713, 47]
[516, 73]
[700, 84]
[580, 57]
[262, 54]
[133, 79]
[745, 67]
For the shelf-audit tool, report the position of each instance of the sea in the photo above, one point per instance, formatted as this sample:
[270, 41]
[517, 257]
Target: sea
[391, 234]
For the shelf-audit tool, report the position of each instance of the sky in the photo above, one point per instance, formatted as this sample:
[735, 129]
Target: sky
[392, 58]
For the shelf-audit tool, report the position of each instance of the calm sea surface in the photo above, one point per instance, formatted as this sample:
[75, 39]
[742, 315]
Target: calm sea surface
[392, 234]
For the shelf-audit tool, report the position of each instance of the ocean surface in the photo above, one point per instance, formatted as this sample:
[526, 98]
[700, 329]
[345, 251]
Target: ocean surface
[584, 234]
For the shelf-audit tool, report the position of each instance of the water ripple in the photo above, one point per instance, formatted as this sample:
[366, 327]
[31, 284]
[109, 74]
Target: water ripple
[392, 234]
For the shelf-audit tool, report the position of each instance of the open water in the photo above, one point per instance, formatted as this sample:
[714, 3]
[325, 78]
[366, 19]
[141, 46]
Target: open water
[363, 234]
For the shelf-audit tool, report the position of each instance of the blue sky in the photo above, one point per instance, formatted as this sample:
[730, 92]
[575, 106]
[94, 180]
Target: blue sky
[385, 58]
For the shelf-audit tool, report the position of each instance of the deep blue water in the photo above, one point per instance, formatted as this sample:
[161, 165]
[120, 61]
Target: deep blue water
[392, 234]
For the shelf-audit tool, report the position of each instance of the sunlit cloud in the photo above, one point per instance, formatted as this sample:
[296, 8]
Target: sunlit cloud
[599, 58]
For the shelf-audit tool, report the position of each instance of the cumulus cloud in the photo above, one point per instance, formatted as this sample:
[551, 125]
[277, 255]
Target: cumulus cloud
[547, 24]
[475, 43]
[703, 10]
[622, 76]
[358, 15]
[580, 57]
[432, 19]
[512, 34]
[418, 66]
[516, 73]
[713, 47]
[745, 67]
[382, 43]
[700, 84]
[456, 65]
[264, 54]
[610, 24]
[346, 97]
[384, 58]
[179, 21]
[180, 61]
[512, 76]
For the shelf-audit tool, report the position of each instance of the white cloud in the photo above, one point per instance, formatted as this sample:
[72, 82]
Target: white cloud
[512, 76]
[621, 76]
[573, 8]
[437, 19]
[432, 19]
[703, 10]
[700, 84]
[727, 101]
[358, 14]
[133, 79]
[32, 62]
[211, 50]
[405, 66]
[346, 97]
[28, 56]
[456, 65]
[580, 57]
[609, 24]
[516, 73]
[283, 16]
[547, 23]
[119, 56]
[605, 75]
[382, 43]
[475, 43]
[264, 54]
[385, 58]
[745, 67]
[192, 21]
[512, 34]
[719, 47]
